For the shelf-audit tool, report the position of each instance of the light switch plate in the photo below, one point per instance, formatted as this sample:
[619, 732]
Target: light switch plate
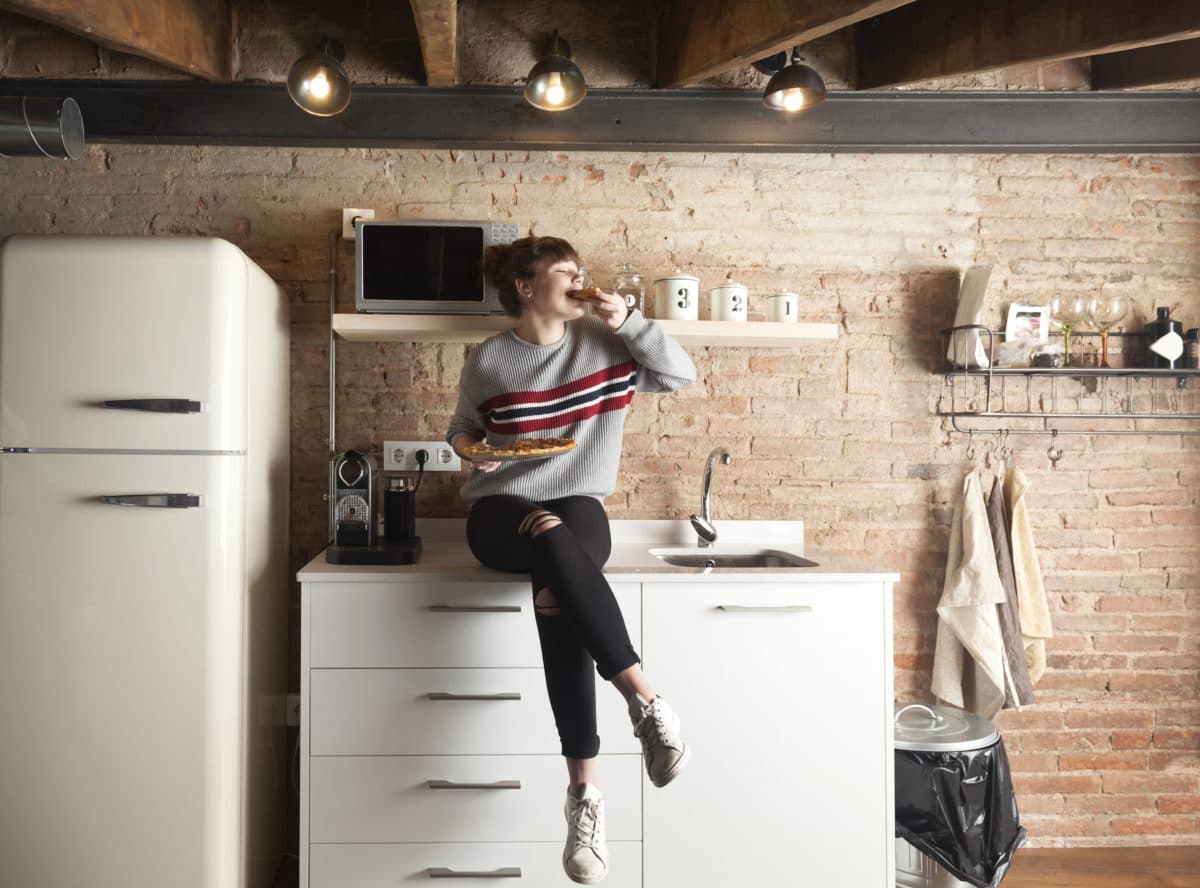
[349, 214]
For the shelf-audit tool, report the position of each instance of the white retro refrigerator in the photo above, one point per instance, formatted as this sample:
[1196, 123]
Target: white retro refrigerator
[143, 564]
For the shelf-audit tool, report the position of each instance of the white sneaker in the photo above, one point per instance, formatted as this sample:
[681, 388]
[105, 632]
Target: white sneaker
[657, 726]
[585, 856]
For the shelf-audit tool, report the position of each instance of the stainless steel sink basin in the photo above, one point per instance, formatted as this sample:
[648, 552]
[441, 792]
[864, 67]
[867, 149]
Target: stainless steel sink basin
[769, 558]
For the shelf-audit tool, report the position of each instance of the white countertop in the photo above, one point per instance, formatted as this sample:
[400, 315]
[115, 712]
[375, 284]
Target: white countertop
[445, 555]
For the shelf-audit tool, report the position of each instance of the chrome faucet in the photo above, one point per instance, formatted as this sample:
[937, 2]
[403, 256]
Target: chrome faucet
[706, 533]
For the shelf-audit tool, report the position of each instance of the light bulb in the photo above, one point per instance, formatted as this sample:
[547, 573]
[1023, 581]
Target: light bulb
[793, 100]
[555, 92]
[319, 86]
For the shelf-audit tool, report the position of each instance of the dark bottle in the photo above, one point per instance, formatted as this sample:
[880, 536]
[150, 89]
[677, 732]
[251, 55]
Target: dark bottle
[1164, 341]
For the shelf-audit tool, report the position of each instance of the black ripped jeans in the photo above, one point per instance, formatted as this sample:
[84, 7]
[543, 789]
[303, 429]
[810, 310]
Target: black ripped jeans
[588, 627]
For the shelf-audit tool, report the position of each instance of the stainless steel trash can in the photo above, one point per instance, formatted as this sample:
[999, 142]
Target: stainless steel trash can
[937, 729]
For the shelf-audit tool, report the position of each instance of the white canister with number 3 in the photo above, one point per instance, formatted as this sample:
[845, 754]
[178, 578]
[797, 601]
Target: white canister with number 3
[677, 297]
[729, 301]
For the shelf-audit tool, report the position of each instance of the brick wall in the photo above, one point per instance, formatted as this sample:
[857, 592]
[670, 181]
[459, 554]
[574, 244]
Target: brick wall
[842, 436]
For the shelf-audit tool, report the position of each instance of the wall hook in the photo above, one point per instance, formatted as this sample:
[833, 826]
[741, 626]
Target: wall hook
[1055, 453]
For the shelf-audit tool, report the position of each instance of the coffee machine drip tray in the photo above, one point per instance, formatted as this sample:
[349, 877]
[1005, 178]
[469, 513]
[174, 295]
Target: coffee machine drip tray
[383, 552]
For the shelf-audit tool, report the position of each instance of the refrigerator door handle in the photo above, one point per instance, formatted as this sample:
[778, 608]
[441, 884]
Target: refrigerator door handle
[155, 500]
[156, 405]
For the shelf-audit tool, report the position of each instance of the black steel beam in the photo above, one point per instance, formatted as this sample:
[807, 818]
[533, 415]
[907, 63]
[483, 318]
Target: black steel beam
[191, 113]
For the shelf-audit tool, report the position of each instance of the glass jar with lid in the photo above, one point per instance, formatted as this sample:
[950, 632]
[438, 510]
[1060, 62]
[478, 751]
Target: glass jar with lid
[630, 286]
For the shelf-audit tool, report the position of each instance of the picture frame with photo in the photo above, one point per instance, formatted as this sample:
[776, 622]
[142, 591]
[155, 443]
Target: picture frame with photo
[1028, 326]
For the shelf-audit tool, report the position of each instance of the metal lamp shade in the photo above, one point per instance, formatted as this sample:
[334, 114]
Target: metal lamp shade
[319, 84]
[795, 88]
[555, 84]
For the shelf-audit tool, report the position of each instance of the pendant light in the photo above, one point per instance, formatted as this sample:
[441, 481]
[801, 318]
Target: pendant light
[555, 83]
[794, 88]
[318, 83]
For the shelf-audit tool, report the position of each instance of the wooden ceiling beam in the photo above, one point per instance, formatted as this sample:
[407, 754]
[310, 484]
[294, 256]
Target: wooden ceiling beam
[1148, 66]
[437, 28]
[699, 39]
[193, 36]
[943, 38]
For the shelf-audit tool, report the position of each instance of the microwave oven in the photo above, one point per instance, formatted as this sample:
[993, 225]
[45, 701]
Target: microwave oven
[424, 267]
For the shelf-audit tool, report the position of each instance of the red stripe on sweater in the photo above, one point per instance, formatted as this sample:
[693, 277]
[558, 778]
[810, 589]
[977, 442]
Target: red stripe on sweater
[508, 399]
[536, 424]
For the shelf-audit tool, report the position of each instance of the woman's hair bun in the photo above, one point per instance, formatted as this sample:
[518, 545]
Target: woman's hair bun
[496, 260]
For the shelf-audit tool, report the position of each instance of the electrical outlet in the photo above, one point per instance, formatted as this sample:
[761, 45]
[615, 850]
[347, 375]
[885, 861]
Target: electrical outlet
[401, 456]
[348, 216]
[293, 710]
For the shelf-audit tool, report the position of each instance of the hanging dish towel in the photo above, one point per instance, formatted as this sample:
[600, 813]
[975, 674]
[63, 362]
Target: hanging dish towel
[1019, 690]
[968, 659]
[1032, 605]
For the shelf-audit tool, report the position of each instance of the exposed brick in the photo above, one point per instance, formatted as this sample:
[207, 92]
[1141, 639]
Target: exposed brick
[839, 435]
[1111, 761]
[1161, 825]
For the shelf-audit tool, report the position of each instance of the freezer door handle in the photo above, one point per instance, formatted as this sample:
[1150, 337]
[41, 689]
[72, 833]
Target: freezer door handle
[156, 405]
[504, 872]
[155, 500]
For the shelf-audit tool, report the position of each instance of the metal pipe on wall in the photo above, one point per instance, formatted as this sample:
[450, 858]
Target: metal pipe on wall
[40, 126]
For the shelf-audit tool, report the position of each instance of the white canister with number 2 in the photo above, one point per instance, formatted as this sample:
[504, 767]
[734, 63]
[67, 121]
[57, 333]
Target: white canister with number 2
[729, 301]
[783, 307]
[677, 297]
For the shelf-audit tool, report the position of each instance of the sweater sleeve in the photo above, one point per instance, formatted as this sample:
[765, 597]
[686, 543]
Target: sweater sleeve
[663, 365]
[467, 419]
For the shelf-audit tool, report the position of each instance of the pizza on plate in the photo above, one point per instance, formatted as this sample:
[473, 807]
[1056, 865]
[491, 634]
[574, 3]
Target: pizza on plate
[523, 448]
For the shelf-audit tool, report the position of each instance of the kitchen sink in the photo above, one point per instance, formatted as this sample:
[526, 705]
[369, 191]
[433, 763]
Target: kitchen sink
[769, 558]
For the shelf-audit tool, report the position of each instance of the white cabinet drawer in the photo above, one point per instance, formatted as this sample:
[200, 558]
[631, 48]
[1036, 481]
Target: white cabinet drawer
[448, 712]
[433, 624]
[523, 865]
[393, 799]
[785, 692]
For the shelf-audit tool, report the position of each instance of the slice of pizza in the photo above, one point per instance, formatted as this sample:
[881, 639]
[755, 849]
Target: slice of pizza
[523, 448]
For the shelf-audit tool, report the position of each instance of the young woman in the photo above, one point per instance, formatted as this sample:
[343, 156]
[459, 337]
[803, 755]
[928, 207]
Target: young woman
[564, 373]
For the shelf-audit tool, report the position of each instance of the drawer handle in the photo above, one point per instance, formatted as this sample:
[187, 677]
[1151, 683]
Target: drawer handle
[453, 784]
[443, 697]
[475, 608]
[765, 609]
[505, 872]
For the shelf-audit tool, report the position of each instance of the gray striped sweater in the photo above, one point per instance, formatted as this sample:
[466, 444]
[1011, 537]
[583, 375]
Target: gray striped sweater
[579, 387]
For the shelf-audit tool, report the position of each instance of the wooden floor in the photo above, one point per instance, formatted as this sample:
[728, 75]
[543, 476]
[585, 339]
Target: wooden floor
[1169, 867]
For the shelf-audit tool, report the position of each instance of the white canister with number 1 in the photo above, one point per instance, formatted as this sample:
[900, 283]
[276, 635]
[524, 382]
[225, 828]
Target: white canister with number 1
[783, 307]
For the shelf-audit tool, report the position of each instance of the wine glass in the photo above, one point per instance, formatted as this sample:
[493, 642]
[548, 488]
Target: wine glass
[1066, 314]
[1105, 312]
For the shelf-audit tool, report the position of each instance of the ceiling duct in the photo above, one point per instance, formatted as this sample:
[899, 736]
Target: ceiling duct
[40, 126]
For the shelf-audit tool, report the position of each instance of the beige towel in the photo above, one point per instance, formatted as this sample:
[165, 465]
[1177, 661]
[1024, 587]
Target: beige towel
[1032, 606]
[1020, 687]
[968, 622]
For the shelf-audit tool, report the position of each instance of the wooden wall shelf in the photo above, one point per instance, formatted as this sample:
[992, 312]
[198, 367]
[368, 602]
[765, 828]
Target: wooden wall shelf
[470, 328]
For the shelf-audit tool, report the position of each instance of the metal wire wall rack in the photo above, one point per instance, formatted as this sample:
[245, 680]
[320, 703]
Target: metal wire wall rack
[1075, 400]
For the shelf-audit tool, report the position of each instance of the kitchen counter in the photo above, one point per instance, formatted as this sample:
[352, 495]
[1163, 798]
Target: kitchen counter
[445, 555]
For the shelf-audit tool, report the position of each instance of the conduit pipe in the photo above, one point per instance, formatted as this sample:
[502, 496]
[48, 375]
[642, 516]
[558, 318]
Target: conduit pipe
[40, 126]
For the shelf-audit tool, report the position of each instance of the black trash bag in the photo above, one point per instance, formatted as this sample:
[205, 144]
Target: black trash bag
[960, 809]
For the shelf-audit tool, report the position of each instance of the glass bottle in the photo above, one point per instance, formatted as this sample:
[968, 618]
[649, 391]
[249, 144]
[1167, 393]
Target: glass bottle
[1164, 340]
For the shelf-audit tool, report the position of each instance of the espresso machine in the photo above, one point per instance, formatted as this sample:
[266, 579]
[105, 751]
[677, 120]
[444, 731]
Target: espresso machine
[356, 496]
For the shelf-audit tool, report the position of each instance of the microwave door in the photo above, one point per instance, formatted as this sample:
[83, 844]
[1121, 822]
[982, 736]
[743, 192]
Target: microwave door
[430, 268]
